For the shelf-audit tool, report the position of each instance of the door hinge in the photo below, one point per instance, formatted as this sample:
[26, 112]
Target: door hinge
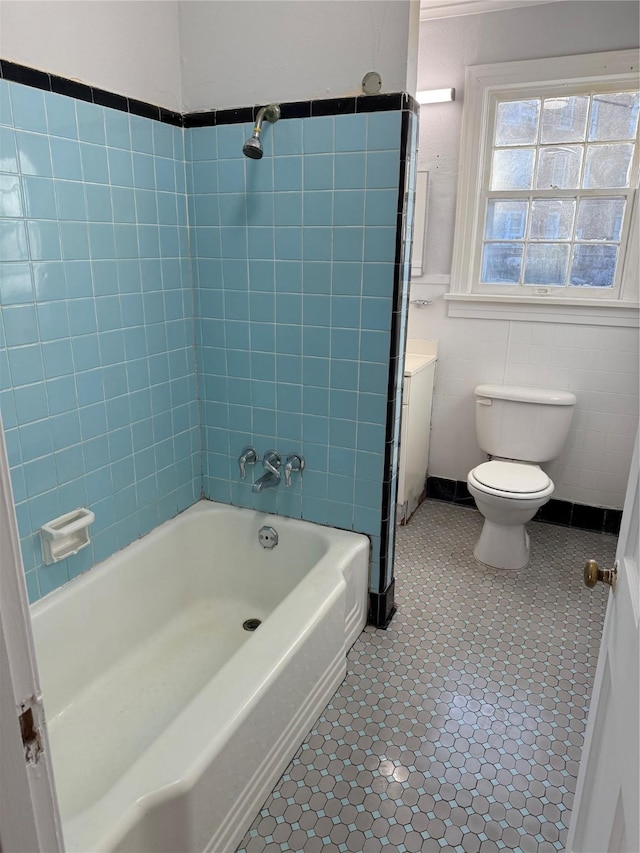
[30, 731]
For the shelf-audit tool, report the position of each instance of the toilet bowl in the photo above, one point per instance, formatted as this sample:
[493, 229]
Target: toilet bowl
[508, 494]
[519, 427]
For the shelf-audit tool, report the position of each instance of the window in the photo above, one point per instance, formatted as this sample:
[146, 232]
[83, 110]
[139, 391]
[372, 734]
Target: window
[548, 182]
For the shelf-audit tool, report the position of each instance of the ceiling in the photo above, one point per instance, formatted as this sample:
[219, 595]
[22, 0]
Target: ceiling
[430, 9]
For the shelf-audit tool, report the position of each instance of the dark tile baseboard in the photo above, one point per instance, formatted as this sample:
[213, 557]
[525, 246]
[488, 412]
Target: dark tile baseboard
[382, 606]
[564, 513]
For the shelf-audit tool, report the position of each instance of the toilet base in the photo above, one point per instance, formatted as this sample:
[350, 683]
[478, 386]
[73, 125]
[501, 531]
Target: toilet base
[502, 547]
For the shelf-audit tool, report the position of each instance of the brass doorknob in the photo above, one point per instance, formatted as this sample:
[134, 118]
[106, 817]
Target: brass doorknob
[593, 573]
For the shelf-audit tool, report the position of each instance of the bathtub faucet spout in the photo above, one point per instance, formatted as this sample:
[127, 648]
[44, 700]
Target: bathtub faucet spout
[271, 477]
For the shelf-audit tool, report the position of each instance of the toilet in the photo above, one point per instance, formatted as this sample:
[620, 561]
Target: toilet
[519, 427]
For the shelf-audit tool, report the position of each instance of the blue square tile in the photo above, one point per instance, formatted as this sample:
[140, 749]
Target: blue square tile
[383, 169]
[288, 243]
[53, 321]
[44, 240]
[380, 244]
[382, 207]
[287, 137]
[61, 115]
[90, 122]
[20, 325]
[348, 244]
[144, 175]
[384, 130]
[317, 277]
[162, 139]
[141, 130]
[116, 125]
[26, 365]
[40, 200]
[261, 243]
[13, 240]
[8, 150]
[259, 175]
[318, 172]
[65, 159]
[58, 358]
[95, 167]
[98, 199]
[5, 103]
[316, 309]
[351, 132]
[287, 173]
[315, 371]
[10, 196]
[376, 313]
[347, 278]
[230, 138]
[101, 241]
[31, 403]
[317, 244]
[230, 176]
[350, 171]
[74, 240]
[70, 200]
[349, 207]
[120, 167]
[16, 285]
[377, 279]
[288, 208]
[318, 135]
[345, 343]
[61, 394]
[28, 109]
[316, 341]
[318, 208]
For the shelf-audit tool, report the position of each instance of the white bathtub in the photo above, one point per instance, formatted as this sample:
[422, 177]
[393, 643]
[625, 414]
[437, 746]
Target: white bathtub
[169, 723]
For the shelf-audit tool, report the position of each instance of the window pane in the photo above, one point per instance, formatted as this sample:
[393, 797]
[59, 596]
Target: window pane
[600, 219]
[501, 263]
[506, 220]
[564, 119]
[517, 122]
[546, 263]
[593, 266]
[614, 116]
[512, 169]
[607, 166]
[552, 219]
[559, 168]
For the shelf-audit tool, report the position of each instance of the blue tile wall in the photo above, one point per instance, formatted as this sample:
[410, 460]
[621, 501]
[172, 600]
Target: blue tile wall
[293, 263]
[162, 308]
[97, 362]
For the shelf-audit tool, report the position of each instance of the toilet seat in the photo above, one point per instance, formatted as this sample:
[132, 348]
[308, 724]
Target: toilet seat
[515, 480]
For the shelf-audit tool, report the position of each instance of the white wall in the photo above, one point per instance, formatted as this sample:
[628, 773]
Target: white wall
[256, 51]
[126, 46]
[599, 364]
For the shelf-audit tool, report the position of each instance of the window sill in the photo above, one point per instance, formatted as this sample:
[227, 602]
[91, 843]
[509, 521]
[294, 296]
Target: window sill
[543, 309]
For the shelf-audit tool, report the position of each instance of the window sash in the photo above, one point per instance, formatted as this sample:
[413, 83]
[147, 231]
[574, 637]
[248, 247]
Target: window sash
[605, 71]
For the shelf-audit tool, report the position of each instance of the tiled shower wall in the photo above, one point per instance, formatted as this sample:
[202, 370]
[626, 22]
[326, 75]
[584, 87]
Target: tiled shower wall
[97, 363]
[298, 303]
[293, 259]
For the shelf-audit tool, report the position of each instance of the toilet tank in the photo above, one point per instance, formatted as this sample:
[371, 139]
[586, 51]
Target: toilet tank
[519, 422]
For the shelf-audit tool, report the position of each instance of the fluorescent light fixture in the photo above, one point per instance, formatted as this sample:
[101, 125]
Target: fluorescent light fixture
[436, 96]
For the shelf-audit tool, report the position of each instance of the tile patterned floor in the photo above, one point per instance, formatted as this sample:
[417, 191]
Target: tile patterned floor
[460, 727]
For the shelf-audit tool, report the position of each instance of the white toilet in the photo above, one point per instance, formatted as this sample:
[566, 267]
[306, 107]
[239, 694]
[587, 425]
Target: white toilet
[518, 427]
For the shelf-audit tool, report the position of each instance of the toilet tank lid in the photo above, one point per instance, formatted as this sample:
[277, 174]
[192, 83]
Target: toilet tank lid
[527, 394]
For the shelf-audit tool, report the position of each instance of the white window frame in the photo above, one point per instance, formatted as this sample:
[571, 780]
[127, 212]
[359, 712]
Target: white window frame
[528, 78]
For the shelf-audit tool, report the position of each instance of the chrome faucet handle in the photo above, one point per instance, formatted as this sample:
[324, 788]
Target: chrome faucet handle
[295, 462]
[271, 461]
[249, 456]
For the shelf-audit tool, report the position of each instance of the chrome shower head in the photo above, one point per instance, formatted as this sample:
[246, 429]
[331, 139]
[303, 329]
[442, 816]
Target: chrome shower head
[253, 147]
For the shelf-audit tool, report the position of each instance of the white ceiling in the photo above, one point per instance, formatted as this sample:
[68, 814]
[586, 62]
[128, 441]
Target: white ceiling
[430, 9]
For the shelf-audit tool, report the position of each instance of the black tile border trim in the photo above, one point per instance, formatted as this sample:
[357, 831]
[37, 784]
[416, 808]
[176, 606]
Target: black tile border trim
[37, 79]
[563, 513]
[382, 607]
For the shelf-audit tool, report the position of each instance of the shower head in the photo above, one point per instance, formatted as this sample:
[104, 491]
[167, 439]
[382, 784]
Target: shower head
[253, 147]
